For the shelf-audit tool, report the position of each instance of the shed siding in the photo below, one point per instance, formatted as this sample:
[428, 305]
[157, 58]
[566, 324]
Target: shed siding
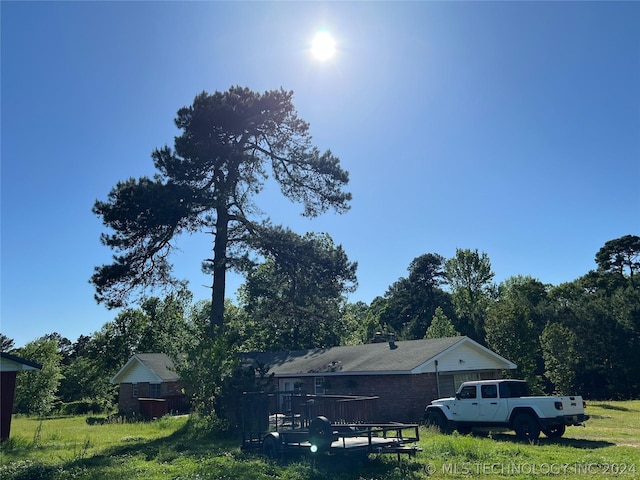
[8, 365]
[8, 382]
[138, 373]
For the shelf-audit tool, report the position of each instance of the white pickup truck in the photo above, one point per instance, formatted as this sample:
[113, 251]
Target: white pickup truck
[505, 404]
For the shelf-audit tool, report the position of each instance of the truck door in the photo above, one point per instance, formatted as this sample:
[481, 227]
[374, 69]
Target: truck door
[465, 408]
[489, 405]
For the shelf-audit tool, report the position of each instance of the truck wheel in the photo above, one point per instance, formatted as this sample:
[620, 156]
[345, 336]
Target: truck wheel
[439, 421]
[270, 447]
[526, 427]
[554, 432]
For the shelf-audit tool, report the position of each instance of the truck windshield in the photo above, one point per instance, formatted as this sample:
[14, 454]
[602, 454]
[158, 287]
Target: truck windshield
[514, 389]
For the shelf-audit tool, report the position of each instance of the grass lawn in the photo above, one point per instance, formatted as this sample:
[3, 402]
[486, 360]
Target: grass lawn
[80, 447]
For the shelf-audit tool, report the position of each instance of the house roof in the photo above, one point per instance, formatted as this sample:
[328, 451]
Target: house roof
[158, 365]
[12, 363]
[410, 356]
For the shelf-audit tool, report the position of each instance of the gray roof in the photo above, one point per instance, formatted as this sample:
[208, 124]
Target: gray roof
[160, 364]
[366, 359]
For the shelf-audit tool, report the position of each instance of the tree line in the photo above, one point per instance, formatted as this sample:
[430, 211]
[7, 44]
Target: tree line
[579, 336]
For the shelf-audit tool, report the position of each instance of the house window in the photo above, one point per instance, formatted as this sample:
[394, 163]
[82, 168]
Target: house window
[134, 390]
[319, 386]
[154, 390]
[460, 378]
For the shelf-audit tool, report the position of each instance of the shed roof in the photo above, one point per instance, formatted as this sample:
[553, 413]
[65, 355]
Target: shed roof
[159, 364]
[12, 363]
[409, 356]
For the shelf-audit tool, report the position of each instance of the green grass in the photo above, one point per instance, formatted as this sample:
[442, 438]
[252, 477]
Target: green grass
[72, 447]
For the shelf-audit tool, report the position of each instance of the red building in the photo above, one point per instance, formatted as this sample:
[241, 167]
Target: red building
[10, 365]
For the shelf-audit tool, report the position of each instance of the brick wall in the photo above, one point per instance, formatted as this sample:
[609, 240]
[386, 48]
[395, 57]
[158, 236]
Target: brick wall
[402, 398]
[128, 404]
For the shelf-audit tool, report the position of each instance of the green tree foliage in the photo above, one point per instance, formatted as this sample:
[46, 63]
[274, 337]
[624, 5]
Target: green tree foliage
[469, 275]
[6, 343]
[360, 325]
[511, 330]
[561, 359]
[212, 372]
[295, 298]
[604, 322]
[229, 142]
[36, 389]
[620, 256]
[159, 326]
[441, 326]
[410, 303]
[530, 292]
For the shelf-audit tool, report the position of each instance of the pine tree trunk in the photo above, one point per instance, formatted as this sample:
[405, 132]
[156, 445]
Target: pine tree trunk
[216, 318]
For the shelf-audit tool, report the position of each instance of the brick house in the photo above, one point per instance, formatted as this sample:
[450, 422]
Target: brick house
[149, 386]
[405, 375]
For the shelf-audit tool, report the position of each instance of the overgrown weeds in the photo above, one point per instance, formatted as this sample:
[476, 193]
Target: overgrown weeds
[205, 448]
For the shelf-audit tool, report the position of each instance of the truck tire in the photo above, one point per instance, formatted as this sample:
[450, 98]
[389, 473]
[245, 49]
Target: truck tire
[437, 420]
[526, 427]
[554, 432]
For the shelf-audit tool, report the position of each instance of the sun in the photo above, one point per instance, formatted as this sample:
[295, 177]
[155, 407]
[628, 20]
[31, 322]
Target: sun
[323, 46]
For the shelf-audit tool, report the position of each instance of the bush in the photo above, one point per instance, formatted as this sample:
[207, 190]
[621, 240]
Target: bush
[81, 407]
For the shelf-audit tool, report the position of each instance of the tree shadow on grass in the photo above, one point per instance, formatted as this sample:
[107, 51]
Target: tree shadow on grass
[83, 463]
[608, 406]
[564, 441]
[211, 456]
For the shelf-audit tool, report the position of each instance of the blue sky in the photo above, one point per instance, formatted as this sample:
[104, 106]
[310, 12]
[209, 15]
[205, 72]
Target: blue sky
[508, 127]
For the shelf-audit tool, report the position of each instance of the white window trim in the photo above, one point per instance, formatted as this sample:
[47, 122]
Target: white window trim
[153, 386]
[318, 385]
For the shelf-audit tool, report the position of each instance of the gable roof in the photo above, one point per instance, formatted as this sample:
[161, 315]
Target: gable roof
[12, 363]
[410, 356]
[157, 367]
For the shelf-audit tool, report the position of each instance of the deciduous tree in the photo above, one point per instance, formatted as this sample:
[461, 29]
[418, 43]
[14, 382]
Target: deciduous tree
[469, 275]
[295, 298]
[36, 389]
[410, 303]
[441, 326]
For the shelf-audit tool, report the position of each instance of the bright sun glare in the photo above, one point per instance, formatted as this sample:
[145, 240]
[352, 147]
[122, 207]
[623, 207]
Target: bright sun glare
[323, 46]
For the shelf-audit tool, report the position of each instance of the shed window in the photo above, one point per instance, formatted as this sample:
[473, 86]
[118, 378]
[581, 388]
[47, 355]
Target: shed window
[134, 390]
[154, 390]
[319, 386]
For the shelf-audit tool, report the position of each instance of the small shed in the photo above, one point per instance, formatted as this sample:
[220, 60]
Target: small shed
[405, 375]
[10, 365]
[150, 386]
